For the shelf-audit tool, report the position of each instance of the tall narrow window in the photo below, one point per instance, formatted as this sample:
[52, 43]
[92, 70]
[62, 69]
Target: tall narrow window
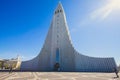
[55, 12]
[57, 55]
[60, 10]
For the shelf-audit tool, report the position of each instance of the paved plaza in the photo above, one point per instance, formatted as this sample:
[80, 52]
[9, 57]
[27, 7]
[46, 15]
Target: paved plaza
[56, 76]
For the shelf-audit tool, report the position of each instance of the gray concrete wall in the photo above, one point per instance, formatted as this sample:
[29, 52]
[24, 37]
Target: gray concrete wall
[94, 64]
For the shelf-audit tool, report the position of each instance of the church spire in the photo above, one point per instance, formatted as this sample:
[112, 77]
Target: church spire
[59, 8]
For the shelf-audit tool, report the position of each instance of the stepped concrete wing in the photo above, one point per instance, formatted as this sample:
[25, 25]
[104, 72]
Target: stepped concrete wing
[58, 53]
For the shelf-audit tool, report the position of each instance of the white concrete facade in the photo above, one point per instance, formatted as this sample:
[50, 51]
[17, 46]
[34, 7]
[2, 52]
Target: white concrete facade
[58, 48]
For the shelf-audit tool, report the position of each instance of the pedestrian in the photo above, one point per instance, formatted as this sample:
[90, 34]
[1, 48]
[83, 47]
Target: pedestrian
[10, 69]
[116, 72]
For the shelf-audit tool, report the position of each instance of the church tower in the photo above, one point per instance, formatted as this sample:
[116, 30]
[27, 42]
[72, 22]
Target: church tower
[58, 53]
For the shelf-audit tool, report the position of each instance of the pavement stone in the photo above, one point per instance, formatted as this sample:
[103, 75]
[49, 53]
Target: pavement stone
[57, 76]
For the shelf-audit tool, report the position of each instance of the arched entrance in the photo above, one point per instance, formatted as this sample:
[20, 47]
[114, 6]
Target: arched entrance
[57, 67]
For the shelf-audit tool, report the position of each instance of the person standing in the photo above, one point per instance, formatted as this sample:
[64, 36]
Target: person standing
[10, 69]
[116, 72]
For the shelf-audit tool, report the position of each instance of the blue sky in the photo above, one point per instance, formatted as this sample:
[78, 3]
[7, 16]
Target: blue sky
[94, 26]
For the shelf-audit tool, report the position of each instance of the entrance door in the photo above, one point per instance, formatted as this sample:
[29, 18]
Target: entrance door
[56, 67]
